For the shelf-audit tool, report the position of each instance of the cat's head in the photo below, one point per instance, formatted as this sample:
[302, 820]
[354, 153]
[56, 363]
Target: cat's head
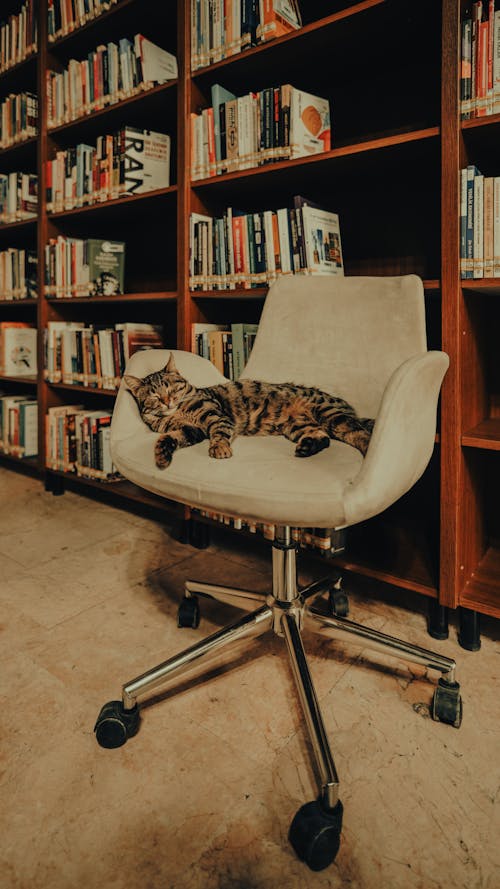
[159, 393]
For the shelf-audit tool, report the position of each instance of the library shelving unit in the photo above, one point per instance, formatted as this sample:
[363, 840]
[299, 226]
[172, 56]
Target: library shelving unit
[391, 71]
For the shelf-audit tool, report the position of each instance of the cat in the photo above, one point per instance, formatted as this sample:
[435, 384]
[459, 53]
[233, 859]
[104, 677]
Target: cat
[185, 415]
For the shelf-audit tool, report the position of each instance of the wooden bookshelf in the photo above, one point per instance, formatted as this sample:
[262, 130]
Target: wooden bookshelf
[392, 175]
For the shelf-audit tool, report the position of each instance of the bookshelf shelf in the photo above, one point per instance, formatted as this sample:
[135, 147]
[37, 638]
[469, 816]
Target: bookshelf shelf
[15, 70]
[485, 435]
[113, 109]
[87, 390]
[156, 296]
[76, 32]
[20, 224]
[23, 380]
[8, 303]
[123, 201]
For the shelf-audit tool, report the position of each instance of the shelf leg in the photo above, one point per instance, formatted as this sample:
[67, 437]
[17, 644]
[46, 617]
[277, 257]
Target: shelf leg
[469, 633]
[437, 625]
[54, 484]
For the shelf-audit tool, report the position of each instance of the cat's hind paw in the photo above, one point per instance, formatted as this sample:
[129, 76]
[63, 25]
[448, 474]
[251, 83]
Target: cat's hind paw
[164, 448]
[311, 444]
[221, 450]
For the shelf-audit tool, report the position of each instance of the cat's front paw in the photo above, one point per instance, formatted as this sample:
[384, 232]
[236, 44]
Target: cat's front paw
[220, 450]
[164, 448]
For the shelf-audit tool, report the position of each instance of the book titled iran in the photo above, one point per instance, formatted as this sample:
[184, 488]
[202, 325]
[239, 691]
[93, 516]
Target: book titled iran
[145, 161]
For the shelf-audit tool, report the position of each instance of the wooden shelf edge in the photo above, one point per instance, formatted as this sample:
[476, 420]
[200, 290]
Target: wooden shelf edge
[78, 387]
[482, 590]
[350, 150]
[29, 380]
[121, 489]
[486, 435]
[20, 223]
[15, 68]
[474, 122]
[31, 140]
[481, 285]
[27, 464]
[115, 202]
[18, 302]
[406, 583]
[154, 296]
[112, 106]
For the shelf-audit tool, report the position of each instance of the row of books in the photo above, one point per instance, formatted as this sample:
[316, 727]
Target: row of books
[18, 425]
[247, 250]
[77, 440]
[94, 356]
[18, 197]
[479, 224]
[109, 74]
[480, 60]
[329, 541]
[228, 347]
[75, 267]
[18, 118]
[18, 36]
[277, 123]
[18, 274]
[64, 16]
[222, 28]
[130, 161]
[18, 349]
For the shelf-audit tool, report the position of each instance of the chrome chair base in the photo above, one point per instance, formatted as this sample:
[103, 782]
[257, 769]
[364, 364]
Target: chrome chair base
[286, 611]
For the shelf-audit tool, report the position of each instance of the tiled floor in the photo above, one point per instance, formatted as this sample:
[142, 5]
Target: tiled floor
[203, 796]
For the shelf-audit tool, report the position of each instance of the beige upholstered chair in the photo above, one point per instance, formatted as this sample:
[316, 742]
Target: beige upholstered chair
[362, 338]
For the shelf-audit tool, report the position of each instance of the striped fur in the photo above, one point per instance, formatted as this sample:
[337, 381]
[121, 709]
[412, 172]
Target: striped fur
[185, 415]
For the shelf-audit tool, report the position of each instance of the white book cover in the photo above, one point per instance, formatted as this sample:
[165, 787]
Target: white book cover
[19, 351]
[310, 125]
[323, 248]
[146, 161]
[158, 65]
[284, 239]
[29, 428]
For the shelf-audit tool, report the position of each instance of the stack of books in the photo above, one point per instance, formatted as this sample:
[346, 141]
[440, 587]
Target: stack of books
[108, 75]
[222, 28]
[63, 17]
[480, 62]
[228, 347]
[237, 133]
[94, 356]
[479, 224]
[77, 440]
[130, 161]
[79, 268]
[18, 197]
[18, 274]
[251, 249]
[18, 118]
[18, 425]
[18, 36]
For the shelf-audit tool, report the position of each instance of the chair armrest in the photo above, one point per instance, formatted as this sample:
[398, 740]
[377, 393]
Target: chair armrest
[403, 437]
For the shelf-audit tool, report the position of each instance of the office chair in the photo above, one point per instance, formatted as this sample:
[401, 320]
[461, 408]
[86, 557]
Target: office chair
[362, 338]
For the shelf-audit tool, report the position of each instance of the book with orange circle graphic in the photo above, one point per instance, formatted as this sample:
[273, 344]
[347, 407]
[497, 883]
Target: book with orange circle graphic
[310, 128]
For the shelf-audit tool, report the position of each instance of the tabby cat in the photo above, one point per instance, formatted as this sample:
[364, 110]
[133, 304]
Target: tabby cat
[185, 415]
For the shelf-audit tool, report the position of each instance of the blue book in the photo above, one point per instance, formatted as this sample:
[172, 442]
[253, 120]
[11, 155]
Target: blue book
[472, 171]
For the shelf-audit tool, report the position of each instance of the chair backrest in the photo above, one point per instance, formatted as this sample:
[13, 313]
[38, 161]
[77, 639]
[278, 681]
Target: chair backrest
[345, 335]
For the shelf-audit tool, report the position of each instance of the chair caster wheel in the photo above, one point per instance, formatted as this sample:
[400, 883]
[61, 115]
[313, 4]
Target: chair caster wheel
[315, 834]
[447, 703]
[338, 600]
[188, 614]
[115, 724]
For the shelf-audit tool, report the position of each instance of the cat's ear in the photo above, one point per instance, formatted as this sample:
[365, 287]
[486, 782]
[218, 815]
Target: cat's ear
[132, 383]
[170, 367]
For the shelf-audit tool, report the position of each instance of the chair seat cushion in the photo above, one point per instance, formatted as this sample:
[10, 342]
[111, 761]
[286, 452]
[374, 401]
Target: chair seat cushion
[263, 480]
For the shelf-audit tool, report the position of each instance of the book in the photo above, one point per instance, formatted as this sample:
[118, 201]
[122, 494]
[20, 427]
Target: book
[277, 17]
[310, 125]
[157, 65]
[106, 266]
[140, 335]
[240, 332]
[18, 349]
[145, 160]
[322, 243]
